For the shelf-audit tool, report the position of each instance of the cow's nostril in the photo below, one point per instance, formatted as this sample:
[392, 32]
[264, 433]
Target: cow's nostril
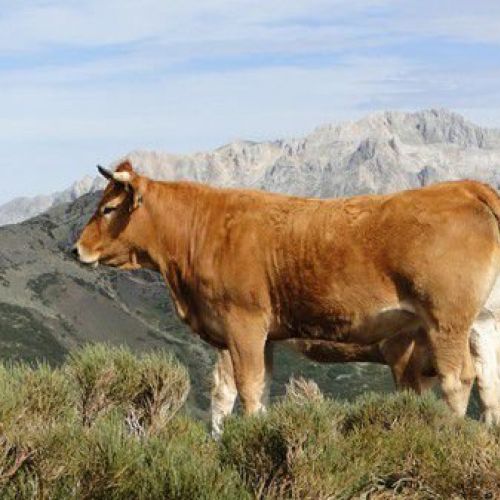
[74, 251]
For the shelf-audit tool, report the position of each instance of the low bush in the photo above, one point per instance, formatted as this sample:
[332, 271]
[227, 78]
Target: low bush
[109, 424]
[377, 446]
[149, 389]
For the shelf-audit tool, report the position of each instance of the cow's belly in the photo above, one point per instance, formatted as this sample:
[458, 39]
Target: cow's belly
[384, 324]
[359, 329]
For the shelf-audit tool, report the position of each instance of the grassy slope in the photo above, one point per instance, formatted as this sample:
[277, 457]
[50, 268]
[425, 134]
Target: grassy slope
[108, 424]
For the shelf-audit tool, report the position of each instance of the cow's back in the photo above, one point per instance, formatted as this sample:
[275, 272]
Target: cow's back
[334, 262]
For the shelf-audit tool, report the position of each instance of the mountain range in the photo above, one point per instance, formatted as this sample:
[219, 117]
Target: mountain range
[380, 153]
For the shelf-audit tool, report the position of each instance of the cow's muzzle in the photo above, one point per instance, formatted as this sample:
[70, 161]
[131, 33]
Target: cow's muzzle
[81, 256]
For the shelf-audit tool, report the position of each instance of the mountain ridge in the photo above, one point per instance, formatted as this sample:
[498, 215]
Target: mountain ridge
[385, 151]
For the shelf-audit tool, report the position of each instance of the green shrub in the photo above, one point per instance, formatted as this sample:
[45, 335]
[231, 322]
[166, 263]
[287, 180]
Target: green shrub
[39, 420]
[150, 389]
[43, 394]
[106, 378]
[82, 429]
[400, 443]
[164, 388]
[109, 424]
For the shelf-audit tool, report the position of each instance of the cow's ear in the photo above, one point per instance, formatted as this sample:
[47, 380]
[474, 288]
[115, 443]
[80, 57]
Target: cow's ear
[125, 176]
[119, 175]
[131, 182]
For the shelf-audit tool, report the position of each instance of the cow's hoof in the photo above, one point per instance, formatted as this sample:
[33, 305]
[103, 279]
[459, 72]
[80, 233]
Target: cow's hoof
[491, 416]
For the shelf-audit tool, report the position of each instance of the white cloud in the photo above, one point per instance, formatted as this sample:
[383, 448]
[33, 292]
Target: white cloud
[33, 25]
[84, 81]
[193, 110]
[30, 24]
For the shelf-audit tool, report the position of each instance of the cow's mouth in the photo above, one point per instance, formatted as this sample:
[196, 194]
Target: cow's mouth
[91, 263]
[85, 257]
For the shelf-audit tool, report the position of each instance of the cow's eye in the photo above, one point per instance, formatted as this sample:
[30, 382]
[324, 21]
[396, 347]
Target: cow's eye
[108, 210]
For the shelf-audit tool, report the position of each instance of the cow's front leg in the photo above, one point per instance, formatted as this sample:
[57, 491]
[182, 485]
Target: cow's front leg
[247, 346]
[223, 392]
[268, 360]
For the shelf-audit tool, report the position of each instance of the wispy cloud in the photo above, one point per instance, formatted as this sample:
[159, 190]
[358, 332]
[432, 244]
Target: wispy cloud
[86, 81]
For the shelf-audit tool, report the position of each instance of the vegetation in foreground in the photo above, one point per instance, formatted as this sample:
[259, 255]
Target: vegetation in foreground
[108, 424]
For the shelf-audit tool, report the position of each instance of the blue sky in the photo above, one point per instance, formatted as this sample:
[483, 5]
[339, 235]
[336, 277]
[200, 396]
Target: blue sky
[85, 81]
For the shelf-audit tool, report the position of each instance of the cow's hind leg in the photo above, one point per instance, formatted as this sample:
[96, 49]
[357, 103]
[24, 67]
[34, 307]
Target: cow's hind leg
[223, 391]
[454, 366]
[484, 342]
[408, 356]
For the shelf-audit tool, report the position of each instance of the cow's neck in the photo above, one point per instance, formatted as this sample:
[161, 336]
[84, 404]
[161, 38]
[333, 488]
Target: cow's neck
[176, 215]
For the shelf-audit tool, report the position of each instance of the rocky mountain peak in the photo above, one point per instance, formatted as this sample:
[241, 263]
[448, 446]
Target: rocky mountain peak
[381, 152]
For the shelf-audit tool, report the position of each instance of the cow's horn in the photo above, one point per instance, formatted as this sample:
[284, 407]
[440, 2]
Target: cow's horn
[105, 172]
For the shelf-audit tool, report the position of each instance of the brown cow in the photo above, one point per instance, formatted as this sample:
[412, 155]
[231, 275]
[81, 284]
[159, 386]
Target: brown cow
[245, 267]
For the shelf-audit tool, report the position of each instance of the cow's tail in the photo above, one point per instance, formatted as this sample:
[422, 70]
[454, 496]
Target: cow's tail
[326, 351]
[491, 199]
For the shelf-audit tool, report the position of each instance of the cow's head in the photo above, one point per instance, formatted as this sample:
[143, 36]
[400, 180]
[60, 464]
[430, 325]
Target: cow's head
[115, 233]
